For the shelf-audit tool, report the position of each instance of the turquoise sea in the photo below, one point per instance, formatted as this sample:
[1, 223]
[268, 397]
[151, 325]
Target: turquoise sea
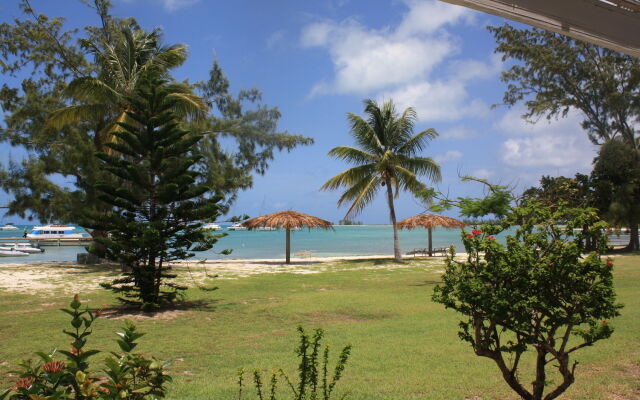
[342, 241]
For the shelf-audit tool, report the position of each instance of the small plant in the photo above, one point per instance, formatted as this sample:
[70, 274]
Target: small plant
[313, 371]
[128, 375]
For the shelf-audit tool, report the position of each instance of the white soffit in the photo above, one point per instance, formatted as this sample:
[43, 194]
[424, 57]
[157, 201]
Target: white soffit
[610, 23]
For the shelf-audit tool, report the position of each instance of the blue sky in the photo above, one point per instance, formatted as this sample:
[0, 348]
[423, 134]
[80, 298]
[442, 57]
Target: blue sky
[317, 60]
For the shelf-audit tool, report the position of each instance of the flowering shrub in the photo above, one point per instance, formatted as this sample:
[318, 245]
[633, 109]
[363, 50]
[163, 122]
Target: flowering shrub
[535, 292]
[128, 375]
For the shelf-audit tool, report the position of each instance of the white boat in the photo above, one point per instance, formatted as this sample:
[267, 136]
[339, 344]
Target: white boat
[211, 226]
[24, 247]
[9, 227]
[266, 228]
[12, 253]
[237, 227]
[54, 232]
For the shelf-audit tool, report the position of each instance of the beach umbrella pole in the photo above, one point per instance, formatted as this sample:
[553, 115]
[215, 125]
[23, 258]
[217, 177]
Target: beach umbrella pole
[288, 249]
[430, 247]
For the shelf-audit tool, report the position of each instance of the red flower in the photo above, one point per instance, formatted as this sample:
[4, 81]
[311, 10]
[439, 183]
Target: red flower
[53, 366]
[476, 232]
[609, 263]
[469, 236]
[603, 322]
[76, 351]
[491, 238]
[105, 390]
[24, 383]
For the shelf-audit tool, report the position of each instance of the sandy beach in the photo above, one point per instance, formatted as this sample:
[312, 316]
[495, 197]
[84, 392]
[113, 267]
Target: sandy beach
[67, 277]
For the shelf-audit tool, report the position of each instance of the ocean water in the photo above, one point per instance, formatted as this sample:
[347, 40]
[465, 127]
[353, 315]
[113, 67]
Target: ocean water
[341, 241]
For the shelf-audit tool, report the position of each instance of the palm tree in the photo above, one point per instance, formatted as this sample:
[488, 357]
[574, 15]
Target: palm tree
[123, 60]
[387, 157]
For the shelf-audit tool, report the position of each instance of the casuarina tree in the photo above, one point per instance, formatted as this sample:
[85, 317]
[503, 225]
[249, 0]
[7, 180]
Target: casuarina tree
[538, 292]
[158, 201]
[387, 157]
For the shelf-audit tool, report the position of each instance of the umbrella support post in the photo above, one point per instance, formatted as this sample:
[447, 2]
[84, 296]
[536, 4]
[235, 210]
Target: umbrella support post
[288, 248]
[430, 247]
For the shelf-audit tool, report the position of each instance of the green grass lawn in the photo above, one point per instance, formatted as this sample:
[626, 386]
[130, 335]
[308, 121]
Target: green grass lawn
[404, 345]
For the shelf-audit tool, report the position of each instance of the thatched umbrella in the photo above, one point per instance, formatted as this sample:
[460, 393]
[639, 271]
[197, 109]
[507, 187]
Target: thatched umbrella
[430, 221]
[287, 220]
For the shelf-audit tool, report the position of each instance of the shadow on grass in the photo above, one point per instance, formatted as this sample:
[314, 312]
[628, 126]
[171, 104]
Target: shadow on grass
[123, 311]
[426, 283]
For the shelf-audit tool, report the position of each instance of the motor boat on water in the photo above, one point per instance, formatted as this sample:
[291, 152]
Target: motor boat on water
[266, 228]
[237, 227]
[12, 253]
[57, 235]
[9, 227]
[211, 226]
[23, 247]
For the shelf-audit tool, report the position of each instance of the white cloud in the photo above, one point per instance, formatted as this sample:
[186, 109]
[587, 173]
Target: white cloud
[450, 155]
[173, 5]
[366, 59]
[438, 101]
[556, 143]
[429, 16]
[275, 39]
[397, 62]
[458, 132]
[482, 173]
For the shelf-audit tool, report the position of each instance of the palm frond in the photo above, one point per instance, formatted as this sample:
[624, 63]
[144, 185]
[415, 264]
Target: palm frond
[364, 134]
[418, 142]
[73, 114]
[188, 104]
[424, 166]
[352, 155]
[349, 177]
[92, 90]
[362, 194]
[407, 180]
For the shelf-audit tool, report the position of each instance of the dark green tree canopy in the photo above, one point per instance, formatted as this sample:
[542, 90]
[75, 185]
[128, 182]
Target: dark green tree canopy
[158, 202]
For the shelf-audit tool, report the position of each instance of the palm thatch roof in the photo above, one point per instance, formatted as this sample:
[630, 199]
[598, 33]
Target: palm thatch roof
[287, 220]
[430, 221]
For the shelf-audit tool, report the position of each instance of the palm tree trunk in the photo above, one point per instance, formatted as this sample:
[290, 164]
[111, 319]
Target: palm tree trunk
[392, 214]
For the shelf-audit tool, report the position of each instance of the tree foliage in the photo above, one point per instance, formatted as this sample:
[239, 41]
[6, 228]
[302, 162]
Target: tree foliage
[65, 89]
[536, 292]
[158, 203]
[616, 181]
[554, 74]
[387, 155]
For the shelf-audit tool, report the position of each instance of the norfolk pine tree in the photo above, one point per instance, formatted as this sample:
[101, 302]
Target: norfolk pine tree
[156, 206]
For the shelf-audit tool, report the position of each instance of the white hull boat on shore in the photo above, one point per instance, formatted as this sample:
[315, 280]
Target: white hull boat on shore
[237, 227]
[211, 227]
[12, 253]
[9, 227]
[23, 247]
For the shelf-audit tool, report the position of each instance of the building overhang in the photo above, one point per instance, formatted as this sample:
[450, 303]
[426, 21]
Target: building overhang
[614, 24]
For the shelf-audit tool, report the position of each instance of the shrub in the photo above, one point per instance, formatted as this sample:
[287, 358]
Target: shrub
[128, 375]
[314, 381]
[537, 292]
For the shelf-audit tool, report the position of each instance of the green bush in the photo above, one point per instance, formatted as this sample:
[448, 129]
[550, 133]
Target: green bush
[128, 375]
[539, 292]
[314, 382]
